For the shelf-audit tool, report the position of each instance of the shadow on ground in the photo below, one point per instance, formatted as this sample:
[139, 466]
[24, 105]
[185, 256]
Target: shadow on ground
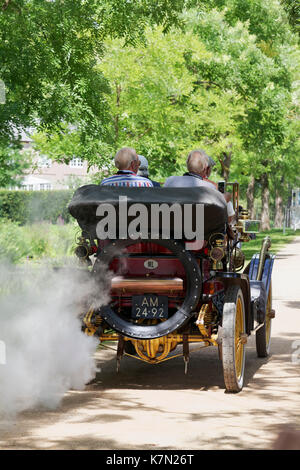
[205, 370]
[105, 402]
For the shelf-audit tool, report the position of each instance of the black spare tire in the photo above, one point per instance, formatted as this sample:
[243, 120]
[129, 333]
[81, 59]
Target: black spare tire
[179, 318]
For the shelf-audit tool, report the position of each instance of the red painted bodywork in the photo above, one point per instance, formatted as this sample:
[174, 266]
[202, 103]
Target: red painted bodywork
[131, 265]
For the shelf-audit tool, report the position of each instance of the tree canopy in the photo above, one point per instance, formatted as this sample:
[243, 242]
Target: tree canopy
[163, 76]
[48, 54]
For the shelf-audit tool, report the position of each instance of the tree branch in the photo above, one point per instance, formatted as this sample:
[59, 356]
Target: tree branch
[200, 82]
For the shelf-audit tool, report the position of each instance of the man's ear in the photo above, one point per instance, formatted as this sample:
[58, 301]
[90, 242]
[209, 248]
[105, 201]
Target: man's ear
[133, 167]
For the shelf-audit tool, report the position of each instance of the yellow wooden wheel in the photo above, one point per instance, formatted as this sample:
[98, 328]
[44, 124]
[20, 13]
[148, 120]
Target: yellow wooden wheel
[233, 339]
[263, 335]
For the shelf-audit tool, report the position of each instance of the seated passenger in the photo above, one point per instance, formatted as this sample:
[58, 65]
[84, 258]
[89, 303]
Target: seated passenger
[197, 165]
[127, 162]
[144, 170]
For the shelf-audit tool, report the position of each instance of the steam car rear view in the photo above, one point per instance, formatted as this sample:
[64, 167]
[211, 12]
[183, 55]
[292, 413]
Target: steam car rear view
[166, 288]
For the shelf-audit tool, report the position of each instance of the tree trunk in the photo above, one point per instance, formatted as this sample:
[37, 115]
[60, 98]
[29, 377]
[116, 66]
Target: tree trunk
[250, 197]
[278, 222]
[265, 195]
[225, 162]
[118, 94]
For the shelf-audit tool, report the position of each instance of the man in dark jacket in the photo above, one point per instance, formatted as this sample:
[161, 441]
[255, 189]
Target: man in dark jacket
[197, 165]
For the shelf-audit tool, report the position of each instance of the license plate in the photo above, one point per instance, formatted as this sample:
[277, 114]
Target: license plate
[149, 306]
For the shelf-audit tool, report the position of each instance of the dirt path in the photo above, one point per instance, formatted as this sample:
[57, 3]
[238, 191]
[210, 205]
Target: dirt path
[158, 407]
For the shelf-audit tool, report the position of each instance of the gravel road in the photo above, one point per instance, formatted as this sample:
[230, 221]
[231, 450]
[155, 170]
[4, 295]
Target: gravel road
[158, 407]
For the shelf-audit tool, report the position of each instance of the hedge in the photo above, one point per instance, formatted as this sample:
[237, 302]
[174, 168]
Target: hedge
[27, 207]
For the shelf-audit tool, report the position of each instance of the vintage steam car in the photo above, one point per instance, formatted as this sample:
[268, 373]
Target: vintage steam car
[167, 289]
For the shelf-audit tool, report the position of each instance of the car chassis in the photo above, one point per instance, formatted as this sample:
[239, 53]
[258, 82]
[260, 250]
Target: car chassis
[164, 293]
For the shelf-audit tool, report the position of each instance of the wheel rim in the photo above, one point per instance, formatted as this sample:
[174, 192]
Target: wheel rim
[239, 346]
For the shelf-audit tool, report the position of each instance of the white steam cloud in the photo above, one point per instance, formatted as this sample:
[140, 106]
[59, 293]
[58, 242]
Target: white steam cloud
[44, 351]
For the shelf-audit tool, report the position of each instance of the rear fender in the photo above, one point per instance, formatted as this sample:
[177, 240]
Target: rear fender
[260, 288]
[267, 271]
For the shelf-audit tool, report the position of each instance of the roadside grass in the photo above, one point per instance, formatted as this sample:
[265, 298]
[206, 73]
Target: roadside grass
[45, 241]
[278, 240]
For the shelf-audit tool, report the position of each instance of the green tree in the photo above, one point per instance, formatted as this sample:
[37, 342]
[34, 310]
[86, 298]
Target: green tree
[13, 163]
[94, 76]
[157, 106]
[292, 7]
[257, 67]
[149, 101]
[48, 56]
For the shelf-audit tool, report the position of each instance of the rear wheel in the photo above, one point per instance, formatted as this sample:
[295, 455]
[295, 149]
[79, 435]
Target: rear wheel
[263, 335]
[233, 339]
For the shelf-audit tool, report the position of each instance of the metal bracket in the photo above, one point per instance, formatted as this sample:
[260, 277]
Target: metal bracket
[186, 352]
[120, 351]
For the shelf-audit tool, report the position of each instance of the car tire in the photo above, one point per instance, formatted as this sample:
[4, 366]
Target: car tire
[263, 335]
[233, 344]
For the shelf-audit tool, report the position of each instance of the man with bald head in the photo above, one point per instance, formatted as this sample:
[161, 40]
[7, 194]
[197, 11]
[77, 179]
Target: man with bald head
[199, 168]
[197, 164]
[127, 162]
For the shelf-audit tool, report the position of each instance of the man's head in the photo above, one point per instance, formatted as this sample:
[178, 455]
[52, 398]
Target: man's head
[198, 162]
[127, 159]
[143, 168]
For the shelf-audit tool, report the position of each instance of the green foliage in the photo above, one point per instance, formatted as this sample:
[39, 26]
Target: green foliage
[48, 53]
[63, 145]
[32, 206]
[13, 247]
[33, 242]
[292, 8]
[157, 106]
[219, 85]
[94, 76]
[239, 64]
[268, 20]
[13, 163]
[256, 56]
